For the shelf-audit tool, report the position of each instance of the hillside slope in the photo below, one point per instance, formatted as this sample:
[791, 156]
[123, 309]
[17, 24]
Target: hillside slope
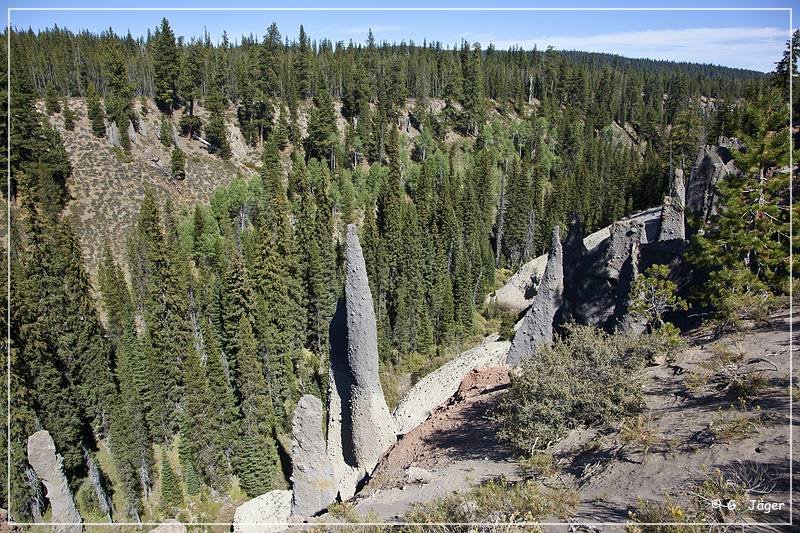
[694, 436]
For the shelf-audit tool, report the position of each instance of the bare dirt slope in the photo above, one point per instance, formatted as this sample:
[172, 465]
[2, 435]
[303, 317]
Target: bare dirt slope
[693, 430]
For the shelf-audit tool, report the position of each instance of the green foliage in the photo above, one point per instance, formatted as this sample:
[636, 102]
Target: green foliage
[494, 502]
[215, 131]
[69, 116]
[171, 492]
[52, 106]
[165, 132]
[553, 394]
[744, 247]
[95, 112]
[654, 294]
[165, 67]
[177, 165]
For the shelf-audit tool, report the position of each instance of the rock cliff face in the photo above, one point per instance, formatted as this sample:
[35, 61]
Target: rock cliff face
[672, 217]
[268, 513]
[373, 426]
[537, 326]
[48, 467]
[313, 483]
[517, 294]
[713, 164]
[437, 387]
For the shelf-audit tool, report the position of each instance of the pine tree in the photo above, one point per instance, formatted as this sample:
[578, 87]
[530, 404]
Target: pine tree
[177, 164]
[188, 470]
[322, 139]
[69, 116]
[165, 132]
[257, 457]
[165, 68]
[95, 112]
[215, 130]
[171, 493]
[51, 104]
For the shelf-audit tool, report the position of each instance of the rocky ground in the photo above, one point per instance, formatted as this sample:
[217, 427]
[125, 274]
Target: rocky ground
[694, 432]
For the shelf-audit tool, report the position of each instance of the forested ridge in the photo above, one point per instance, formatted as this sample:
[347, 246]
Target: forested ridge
[216, 319]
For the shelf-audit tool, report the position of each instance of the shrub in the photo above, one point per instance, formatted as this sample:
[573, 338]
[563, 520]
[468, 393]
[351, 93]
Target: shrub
[585, 378]
[496, 501]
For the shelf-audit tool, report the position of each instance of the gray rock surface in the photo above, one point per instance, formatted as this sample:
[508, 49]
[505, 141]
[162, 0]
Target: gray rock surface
[340, 434]
[517, 294]
[132, 135]
[47, 464]
[373, 428]
[619, 246]
[414, 474]
[627, 322]
[537, 326]
[313, 481]
[701, 189]
[169, 526]
[268, 513]
[437, 387]
[112, 134]
[672, 216]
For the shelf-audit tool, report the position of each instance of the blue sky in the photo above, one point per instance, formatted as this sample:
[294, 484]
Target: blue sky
[747, 39]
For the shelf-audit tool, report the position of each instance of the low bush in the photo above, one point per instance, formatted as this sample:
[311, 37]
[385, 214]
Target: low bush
[494, 502]
[588, 377]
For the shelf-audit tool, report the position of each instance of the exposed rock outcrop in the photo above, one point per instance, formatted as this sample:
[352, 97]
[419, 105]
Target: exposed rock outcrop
[517, 294]
[47, 464]
[672, 217]
[313, 482]
[340, 433]
[169, 526]
[537, 326]
[712, 165]
[112, 134]
[372, 423]
[627, 322]
[437, 387]
[268, 513]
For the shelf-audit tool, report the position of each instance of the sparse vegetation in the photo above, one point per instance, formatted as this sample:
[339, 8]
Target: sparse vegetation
[640, 433]
[495, 502]
[553, 393]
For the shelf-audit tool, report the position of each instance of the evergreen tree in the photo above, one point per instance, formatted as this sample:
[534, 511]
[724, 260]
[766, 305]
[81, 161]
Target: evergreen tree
[257, 456]
[177, 164]
[165, 68]
[323, 137]
[69, 116]
[215, 130]
[95, 112]
[51, 104]
[171, 493]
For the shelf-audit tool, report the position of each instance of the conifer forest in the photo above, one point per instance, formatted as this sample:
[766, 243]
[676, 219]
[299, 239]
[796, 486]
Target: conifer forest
[187, 222]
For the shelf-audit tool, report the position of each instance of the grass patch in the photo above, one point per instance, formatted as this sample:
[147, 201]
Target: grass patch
[494, 502]
[639, 434]
[736, 423]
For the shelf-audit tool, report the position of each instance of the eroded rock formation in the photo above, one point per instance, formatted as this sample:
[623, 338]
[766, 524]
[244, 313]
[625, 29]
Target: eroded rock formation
[537, 326]
[47, 464]
[517, 294]
[437, 387]
[713, 164]
[169, 526]
[672, 216]
[268, 513]
[313, 482]
[373, 428]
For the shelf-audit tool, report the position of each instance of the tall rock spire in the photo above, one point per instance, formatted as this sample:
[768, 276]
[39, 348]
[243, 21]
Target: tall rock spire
[537, 326]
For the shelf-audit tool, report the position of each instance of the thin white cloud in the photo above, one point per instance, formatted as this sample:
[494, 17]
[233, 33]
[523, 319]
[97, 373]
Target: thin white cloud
[364, 30]
[756, 48]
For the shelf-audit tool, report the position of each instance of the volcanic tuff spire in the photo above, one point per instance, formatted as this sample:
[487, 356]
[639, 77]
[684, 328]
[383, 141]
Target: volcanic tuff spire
[47, 465]
[537, 326]
[313, 483]
[672, 219]
[372, 424]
